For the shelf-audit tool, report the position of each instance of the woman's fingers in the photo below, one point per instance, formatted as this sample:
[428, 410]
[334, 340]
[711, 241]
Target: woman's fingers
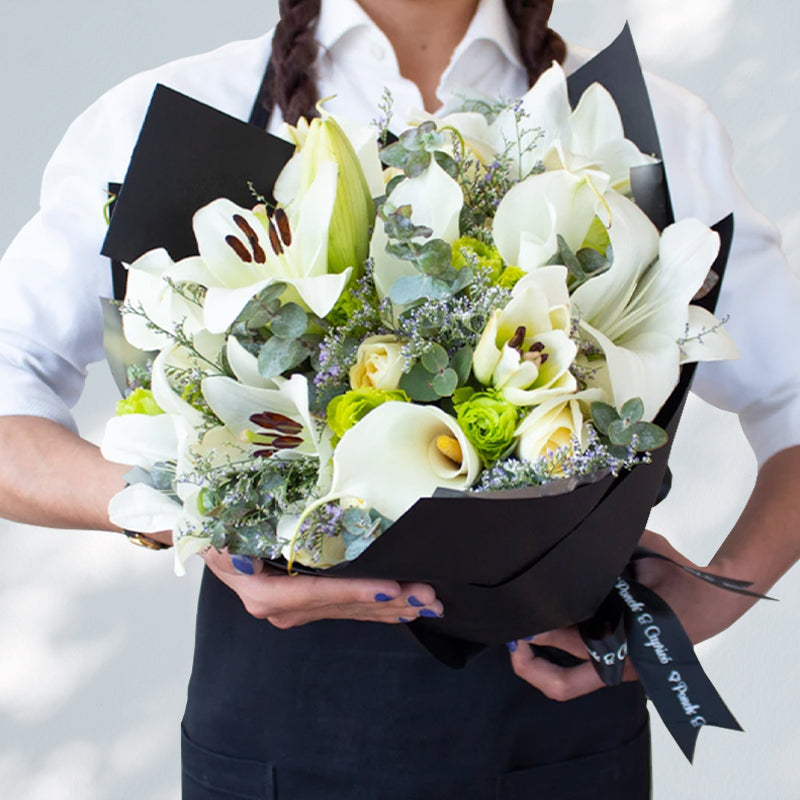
[291, 600]
[567, 639]
[557, 683]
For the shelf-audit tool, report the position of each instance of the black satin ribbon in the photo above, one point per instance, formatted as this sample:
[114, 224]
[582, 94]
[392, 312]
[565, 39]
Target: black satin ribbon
[635, 622]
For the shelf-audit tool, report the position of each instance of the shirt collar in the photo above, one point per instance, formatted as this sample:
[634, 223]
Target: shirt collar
[490, 23]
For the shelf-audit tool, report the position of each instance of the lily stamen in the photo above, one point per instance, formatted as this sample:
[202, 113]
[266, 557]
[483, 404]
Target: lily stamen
[238, 248]
[275, 239]
[285, 230]
[245, 227]
[515, 342]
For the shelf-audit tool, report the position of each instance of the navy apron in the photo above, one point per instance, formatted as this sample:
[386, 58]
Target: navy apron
[344, 710]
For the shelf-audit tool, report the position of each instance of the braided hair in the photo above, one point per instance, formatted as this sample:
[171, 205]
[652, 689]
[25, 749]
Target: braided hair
[290, 79]
[539, 46]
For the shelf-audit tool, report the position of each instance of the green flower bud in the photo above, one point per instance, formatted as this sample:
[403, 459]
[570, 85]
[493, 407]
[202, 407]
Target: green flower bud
[473, 252]
[489, 422]
[140, 401]
[347, 409]
[510, 277]
[354, 209]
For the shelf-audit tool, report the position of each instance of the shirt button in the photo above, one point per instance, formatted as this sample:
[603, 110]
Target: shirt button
[378, 52]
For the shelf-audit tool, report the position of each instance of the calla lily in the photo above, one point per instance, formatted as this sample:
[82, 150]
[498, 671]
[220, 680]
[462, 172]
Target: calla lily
[639, 311]
[554, 424]
[396, 454]
[436, 201]
[536, 211]
[525, 351]
[273, 421]
[143, 509]
[240, 254]
[141, 440]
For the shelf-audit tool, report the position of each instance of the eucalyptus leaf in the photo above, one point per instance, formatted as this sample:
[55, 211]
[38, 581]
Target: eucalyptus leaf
[412, 140]
[401, 250]
[411, 288]
[279, 355]
[462, 279]
[290, 322]
[394, 155]
[632, 411]
[461, 363]
[650, 437]
[417, 383]
[435, 359]
[447, 163]
[603, 415]
[445, 383]
[417, 163]
[435, 257]
[569, 259]
[592, 261]
[620, 433]
[357, 521]
[394, 183]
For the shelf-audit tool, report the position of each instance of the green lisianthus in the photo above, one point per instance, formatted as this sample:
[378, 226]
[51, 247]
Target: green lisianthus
[489, 422]
[473, 252]
[510, 276]
[347, 409]
[139, 401]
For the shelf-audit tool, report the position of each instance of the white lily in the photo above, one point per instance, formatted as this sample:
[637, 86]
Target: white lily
[553, 424]
[525, 351]
[436, 201]
[274, 421]
[536, 211]
[639, 310]
[396, 454]
[148, 289]
[240, 254]
[593, 139]
[245, 366]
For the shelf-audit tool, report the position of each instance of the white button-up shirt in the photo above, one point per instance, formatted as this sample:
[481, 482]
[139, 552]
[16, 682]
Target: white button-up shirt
[52, 274]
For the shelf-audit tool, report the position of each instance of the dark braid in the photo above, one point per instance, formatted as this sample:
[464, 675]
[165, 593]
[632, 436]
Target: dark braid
[290, 80]
[538, 45]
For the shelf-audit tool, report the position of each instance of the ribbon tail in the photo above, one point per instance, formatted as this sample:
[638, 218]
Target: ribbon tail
[668, 668]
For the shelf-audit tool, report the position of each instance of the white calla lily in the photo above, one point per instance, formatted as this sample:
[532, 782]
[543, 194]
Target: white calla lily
[390, 458]
[436, 201]
[525, 351]
[536, 211]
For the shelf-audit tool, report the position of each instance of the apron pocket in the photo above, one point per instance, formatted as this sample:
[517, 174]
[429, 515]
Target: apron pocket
[619, 774]
[206, 775]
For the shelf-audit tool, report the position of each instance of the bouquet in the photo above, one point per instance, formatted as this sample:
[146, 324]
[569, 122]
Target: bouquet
[479, 306]
[453, 356]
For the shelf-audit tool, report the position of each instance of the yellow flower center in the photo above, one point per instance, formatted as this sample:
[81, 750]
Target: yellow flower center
[449, 447]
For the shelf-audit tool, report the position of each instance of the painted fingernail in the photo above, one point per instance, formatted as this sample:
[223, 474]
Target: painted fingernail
[243, 564]
[528, 638]
[512, 647]
[403, 619]
[412, 601]
[383, 598]
[427, 612]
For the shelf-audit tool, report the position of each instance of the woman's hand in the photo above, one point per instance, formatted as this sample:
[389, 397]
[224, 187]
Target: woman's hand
[287, 601]
[703, 610]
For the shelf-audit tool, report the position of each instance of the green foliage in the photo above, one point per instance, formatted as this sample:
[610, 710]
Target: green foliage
[490, 423]
[437, 375]
[345, 410]
[625, 429]
[585, 264]
[415, 149]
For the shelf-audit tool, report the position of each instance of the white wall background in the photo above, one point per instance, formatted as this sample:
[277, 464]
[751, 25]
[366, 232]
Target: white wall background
[95, 636]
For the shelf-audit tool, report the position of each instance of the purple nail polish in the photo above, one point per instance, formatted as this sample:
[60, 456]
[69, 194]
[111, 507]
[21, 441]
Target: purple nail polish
[528, 638]
[383, 598]
[412, 601]
[243, 564]
[403, 619]
[427, 612]
[512, 647]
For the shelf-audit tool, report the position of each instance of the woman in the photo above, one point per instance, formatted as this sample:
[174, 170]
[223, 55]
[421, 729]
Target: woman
[275, 723]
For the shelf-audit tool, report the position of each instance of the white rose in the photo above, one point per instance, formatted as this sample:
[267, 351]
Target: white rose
[379, 363]
[553, 424]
